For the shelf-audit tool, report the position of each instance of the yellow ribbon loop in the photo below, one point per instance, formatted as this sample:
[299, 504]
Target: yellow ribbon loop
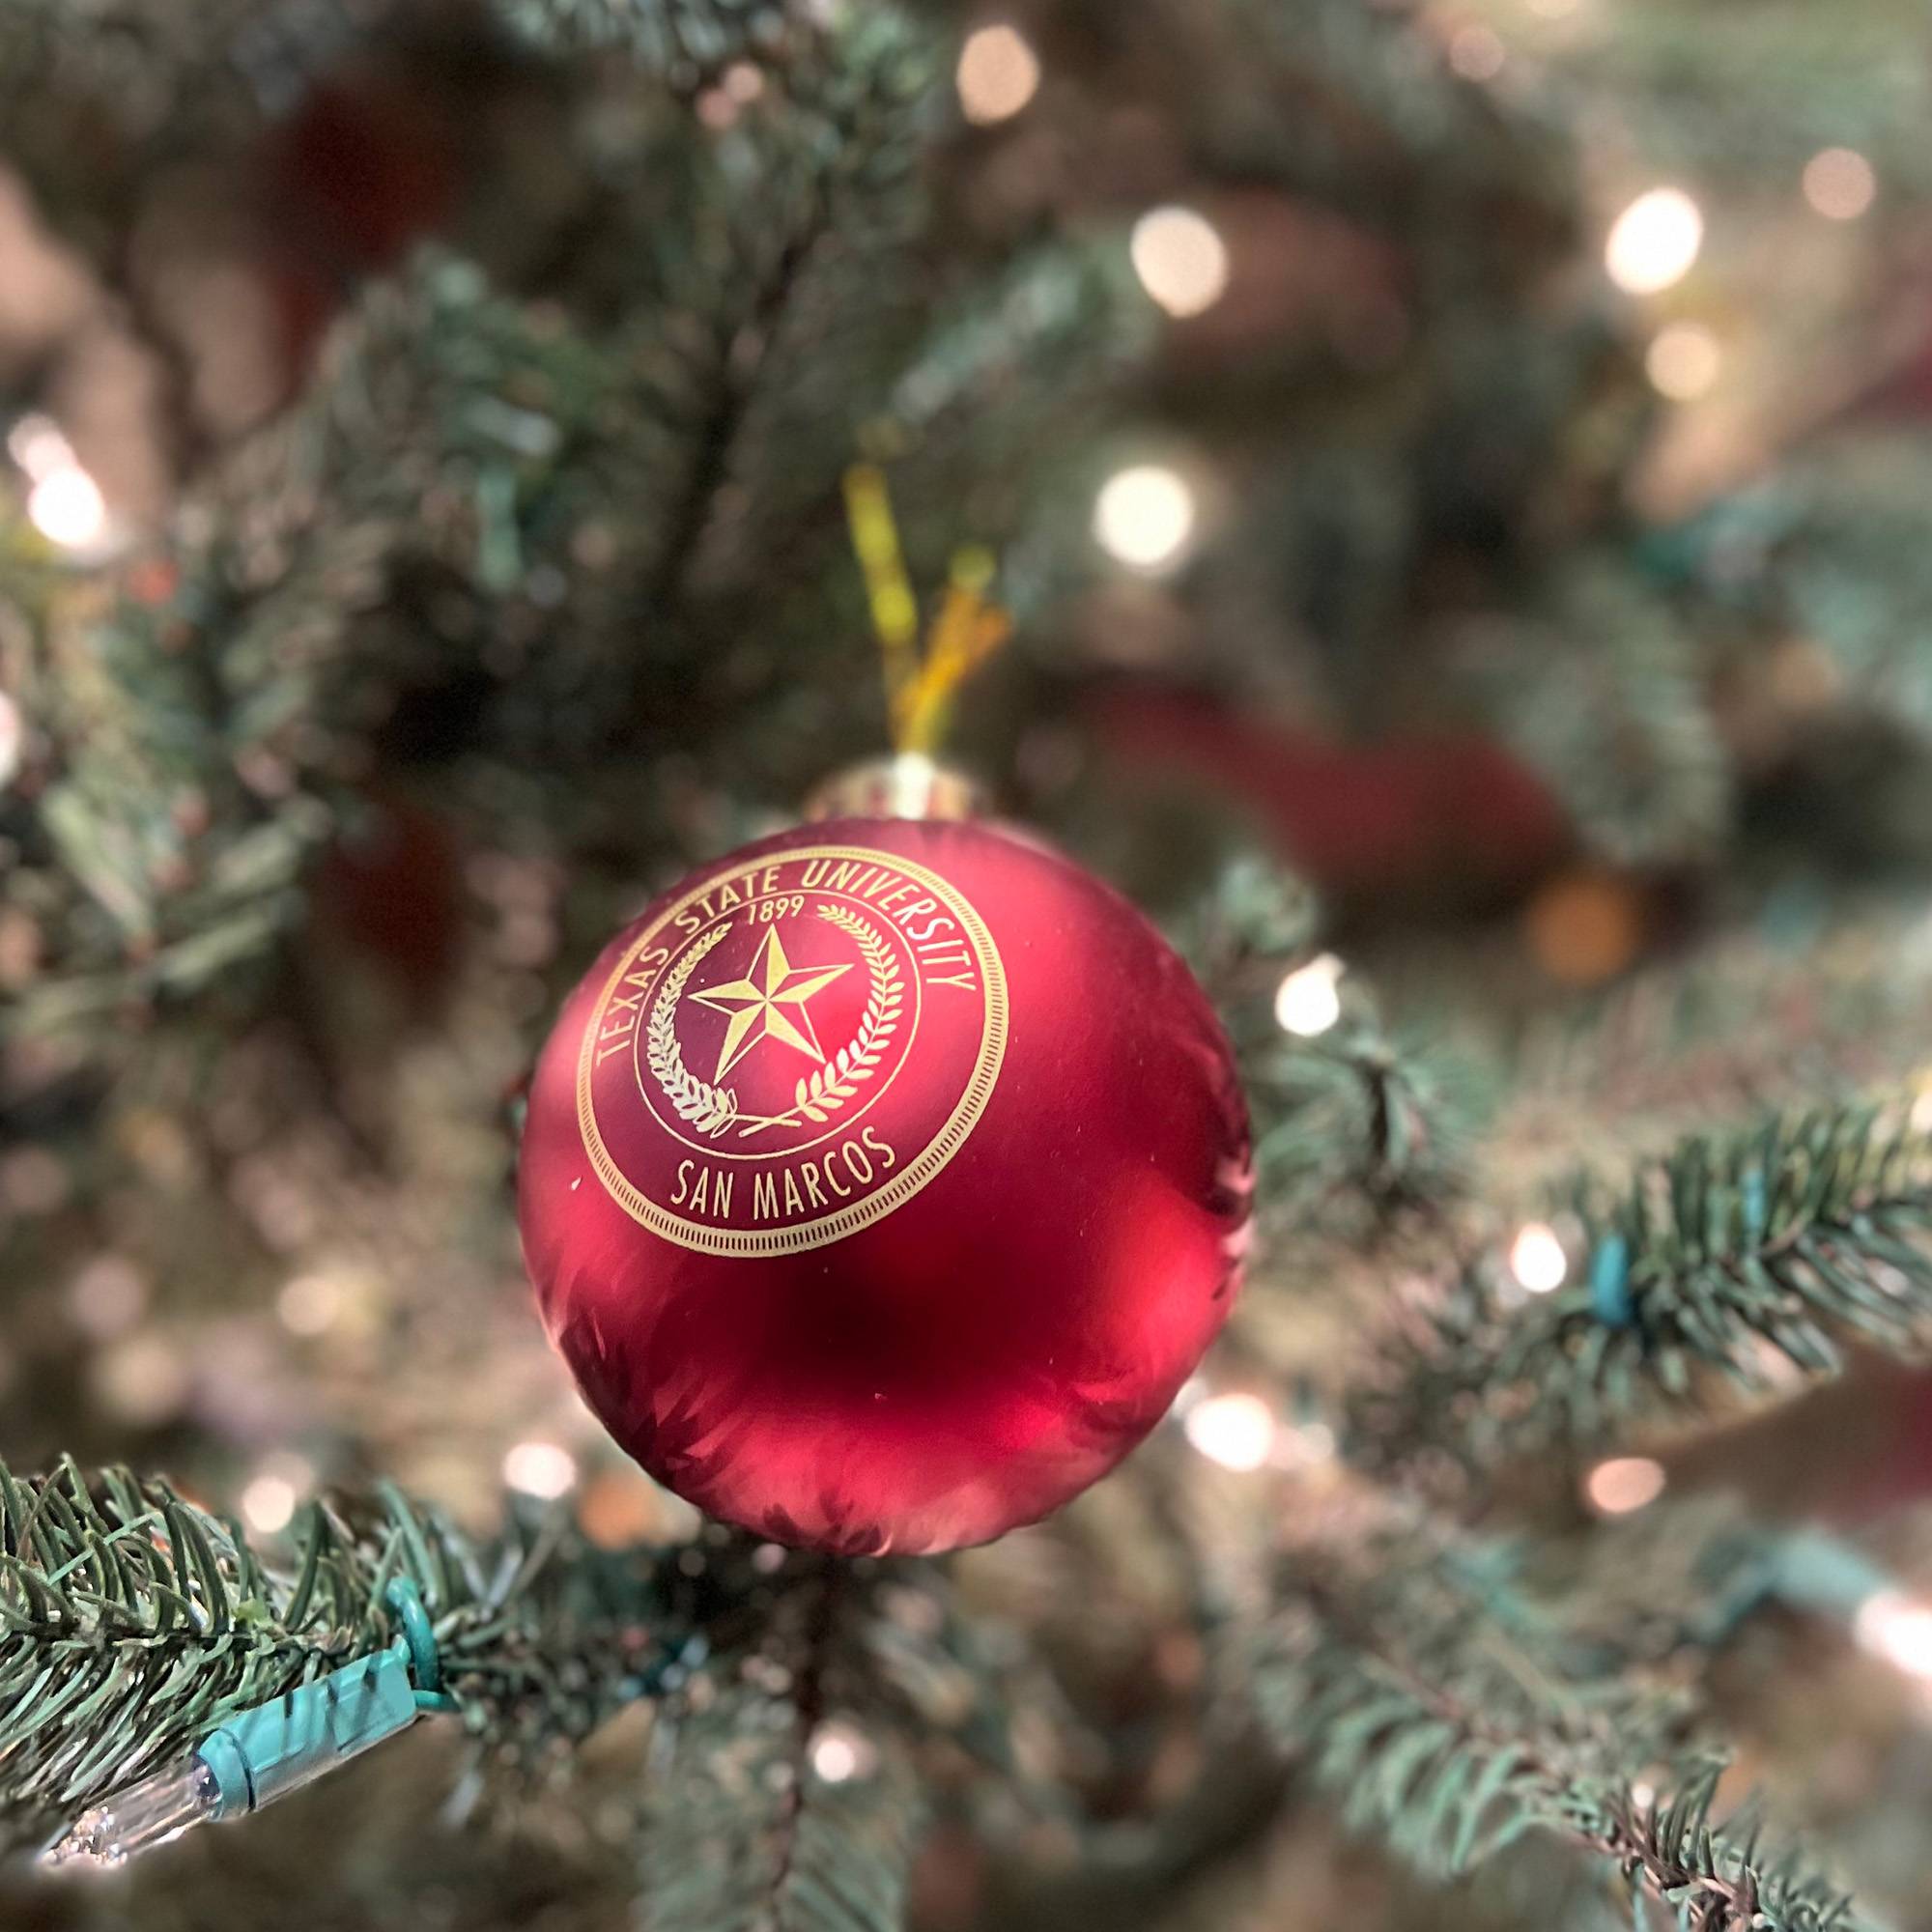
[968, 629]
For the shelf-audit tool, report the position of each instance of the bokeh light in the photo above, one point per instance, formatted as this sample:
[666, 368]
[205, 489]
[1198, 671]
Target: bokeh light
[1624, 1485]
[1235, 1431]
[1537, 1260]
[1309, 1001]
[1839, 184]
[1898, 1629]
[840, 1754]
[1476, 52]
[1653, 241]
[540, 1469]
[67, 507]
[998, 74]
[1144, 516]
[1180, 260]
[269, 1504]
[64, 503]
[1683, 361]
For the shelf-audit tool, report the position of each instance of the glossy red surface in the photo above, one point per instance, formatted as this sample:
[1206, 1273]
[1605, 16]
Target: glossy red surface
[883, 1183]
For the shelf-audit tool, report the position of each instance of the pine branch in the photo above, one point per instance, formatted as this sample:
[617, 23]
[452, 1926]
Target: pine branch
[676, 38]
[820, 205]
[207, 717]
[1455, 1737]
[132, 1623]
[1240, 933]
[1355, 1128]
[785, 1801]
[1769, 1247]
[95, 99]
[203, 716]
[1600, 684]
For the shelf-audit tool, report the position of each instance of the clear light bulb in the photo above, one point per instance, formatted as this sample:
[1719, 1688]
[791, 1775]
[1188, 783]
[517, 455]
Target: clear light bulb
[257, 1756]
[153, 1813]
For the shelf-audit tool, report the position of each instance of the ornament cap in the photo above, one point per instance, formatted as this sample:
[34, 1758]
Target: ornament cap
[907, 785]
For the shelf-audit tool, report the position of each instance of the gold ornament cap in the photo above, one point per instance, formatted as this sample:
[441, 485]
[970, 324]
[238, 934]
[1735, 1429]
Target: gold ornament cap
[907, 785]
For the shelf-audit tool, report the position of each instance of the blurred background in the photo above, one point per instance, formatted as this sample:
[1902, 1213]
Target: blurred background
[1459, 475]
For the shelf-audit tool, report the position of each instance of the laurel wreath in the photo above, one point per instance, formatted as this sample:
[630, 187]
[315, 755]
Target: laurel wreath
[710, 1109]
[829, 1086]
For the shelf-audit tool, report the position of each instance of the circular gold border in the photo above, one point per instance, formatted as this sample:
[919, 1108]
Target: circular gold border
[910, 1178]
[910, 960]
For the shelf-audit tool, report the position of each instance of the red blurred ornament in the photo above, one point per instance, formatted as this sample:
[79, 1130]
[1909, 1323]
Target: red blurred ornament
[883, 1183]
[392, 890]
[368, 162]
[1415, 813]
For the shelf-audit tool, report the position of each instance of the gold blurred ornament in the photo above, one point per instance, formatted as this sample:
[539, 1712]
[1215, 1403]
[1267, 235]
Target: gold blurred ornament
[1584, 927]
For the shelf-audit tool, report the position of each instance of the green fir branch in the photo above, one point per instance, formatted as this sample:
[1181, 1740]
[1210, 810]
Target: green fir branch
[1600, 684]
[675, 37]
[784, 1799]
[1357, 1128]
[1737, 1260]
[1454, 1735]
[1242, 930]
[133, 1623]
[205, 724]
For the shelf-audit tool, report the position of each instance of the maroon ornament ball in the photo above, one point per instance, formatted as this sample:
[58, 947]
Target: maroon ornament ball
[883, 1183]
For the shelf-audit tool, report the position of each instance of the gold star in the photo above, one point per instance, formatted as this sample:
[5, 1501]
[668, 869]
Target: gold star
[751, 1003]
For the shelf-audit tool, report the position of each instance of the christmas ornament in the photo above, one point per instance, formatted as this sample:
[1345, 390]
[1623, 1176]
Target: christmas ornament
[883, 1183]
[1445, 814]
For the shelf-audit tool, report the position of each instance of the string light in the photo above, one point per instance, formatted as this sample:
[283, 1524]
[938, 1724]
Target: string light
[64, 503]
[840, 1754]
[1624, 1484]
[1180, 260]
[1308, 1001]
[1653, 241]
[1839, 184]
[67, 507]
[540, 1469]
[1683, 361]
[1536, 1258]
[255, 1756]
[150, 1814]
[36, 443]
[1898, 1629]
[998, 74]
[1235, 1431]
[1143, 517]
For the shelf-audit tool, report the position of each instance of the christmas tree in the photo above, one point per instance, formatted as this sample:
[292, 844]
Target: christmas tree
[1426, 501]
